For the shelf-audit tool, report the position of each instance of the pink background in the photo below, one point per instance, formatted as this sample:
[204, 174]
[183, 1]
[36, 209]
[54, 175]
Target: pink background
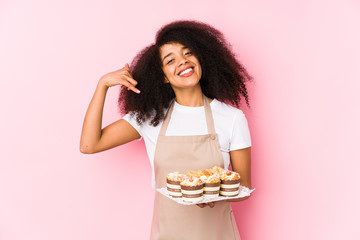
[304, 120]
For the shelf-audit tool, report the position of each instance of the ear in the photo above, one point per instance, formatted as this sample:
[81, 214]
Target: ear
[166, 80]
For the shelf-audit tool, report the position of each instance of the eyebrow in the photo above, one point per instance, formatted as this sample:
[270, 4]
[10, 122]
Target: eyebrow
[172, 53]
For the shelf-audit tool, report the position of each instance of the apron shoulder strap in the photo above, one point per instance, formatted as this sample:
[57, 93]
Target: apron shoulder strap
[167, 119]
[209, 116]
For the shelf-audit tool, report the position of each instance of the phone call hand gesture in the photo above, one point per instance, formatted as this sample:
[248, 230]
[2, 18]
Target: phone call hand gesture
[122, 77]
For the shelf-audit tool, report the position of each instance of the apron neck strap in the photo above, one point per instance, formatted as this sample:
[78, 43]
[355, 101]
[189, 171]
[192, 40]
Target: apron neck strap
[208, 115]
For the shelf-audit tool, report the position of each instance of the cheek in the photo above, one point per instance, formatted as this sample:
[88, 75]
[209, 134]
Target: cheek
[200, 71]
[166, 73]
[196, 61]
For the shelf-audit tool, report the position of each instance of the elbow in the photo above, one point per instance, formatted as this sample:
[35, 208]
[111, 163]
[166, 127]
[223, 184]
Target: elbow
[86, 150]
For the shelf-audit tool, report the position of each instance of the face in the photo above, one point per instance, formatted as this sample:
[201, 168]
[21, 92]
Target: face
[182, 69]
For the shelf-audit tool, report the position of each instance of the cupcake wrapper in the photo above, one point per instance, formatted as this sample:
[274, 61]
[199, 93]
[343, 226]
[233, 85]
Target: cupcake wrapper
[173, 190]
[211, 192]
[229, 189]
[230, 181]
[192, 199]
[192, 187]
[173, 182]
[192, 195]
[229, 194]
[212, 184]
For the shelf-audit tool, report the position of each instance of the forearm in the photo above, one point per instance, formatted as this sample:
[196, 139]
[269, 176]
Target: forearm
[91, 131]
[245, 179]
[241, 163]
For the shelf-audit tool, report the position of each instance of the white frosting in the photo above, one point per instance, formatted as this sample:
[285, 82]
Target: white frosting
[210, 179]
[192, 181]
[230, 175]
[203, 178]
[176, 176]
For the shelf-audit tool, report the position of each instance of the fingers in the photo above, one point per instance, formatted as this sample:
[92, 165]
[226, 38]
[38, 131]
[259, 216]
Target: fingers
[131, 80]
[134, 89]
[127, 68]
[128, 84]
[210, 204]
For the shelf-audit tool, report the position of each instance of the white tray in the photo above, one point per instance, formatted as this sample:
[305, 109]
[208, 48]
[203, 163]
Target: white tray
[244, 192]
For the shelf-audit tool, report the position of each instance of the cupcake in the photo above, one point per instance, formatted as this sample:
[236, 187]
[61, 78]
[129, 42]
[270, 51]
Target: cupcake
[193, 173]
[230, 183]
[211, 185]
[192, 189]
[205, 172]
[216, 170]
[198, 174]
[173, 184]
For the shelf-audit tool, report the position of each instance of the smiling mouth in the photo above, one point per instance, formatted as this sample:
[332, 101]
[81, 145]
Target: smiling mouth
[186, 71]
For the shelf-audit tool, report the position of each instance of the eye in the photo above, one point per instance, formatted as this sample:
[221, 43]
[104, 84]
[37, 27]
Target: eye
[188, 53]
[170, 61]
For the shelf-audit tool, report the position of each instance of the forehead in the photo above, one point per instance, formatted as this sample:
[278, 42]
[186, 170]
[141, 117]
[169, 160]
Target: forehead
[171, 47]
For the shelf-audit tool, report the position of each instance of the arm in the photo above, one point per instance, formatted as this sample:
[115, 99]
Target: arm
[241, 163]
[93, 138]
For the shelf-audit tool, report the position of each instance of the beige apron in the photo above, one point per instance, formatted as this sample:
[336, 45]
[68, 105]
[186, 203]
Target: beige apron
[172, 221]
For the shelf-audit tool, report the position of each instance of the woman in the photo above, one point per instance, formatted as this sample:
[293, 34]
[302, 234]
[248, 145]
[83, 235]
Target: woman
[174, 97]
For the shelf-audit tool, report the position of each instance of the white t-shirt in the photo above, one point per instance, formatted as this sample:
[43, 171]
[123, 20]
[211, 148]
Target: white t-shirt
[230, 125]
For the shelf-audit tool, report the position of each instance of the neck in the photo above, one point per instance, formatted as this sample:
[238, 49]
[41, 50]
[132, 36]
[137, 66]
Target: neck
[192, 97]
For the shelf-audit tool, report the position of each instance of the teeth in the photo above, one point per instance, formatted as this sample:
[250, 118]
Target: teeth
[185, 71]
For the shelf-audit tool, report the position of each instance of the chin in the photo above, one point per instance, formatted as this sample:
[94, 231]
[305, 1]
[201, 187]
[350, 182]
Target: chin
[186, 86]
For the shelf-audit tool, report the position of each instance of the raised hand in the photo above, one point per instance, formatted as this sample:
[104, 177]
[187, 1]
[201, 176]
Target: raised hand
[122, 77]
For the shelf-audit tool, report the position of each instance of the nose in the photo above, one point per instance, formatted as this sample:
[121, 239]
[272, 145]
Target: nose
[182, 60]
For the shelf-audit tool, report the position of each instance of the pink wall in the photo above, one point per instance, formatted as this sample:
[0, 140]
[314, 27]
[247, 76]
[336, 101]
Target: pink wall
[304, 120]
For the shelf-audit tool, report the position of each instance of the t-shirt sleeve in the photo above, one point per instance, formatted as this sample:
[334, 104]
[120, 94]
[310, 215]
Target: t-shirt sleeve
[240, 132]
[132, 120]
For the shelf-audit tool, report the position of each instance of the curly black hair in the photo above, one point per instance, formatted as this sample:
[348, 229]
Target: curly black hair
[223, 77]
